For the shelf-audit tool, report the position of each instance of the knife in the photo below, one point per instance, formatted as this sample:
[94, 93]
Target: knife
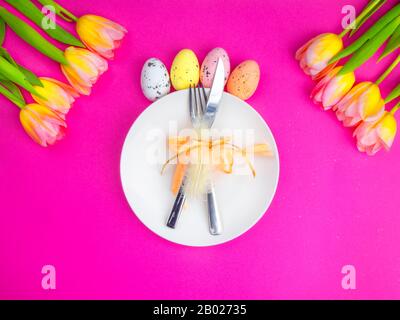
[211, 110]
[207, 120]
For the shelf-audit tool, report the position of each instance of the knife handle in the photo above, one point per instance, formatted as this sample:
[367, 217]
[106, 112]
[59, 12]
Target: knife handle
[177, 208]
[214, 216]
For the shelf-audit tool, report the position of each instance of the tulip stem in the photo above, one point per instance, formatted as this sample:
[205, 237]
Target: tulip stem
[10, 96]
[388, 70]
[344, 32]
[395, 108]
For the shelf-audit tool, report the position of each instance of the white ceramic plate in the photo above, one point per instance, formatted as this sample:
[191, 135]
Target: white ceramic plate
[242, 199]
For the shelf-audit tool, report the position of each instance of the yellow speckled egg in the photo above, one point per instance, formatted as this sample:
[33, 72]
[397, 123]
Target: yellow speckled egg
[243, 81]
[185, 70]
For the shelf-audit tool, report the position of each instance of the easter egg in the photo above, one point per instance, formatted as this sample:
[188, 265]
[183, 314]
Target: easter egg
[185, 70]
[244, 79]
[155, 79]
[209, 66]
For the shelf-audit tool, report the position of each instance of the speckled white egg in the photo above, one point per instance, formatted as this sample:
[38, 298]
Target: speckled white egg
[155, 79]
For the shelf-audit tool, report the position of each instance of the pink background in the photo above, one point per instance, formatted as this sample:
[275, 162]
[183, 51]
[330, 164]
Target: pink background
[334, 206]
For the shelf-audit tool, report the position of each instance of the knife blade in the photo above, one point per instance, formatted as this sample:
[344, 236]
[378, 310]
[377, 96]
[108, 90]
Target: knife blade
[215, 96]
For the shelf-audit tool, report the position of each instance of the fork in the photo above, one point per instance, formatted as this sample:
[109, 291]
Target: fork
[196, 111]
[197, 102]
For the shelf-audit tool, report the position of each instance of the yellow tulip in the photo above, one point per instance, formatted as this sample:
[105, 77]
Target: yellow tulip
[332, 88]
[315, 55]
[363, 103]
[372, 136]
[100, 34]
[57, 95]
[42, 124]
[84, 68]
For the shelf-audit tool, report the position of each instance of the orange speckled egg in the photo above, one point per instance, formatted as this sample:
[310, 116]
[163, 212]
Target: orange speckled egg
[243, 81]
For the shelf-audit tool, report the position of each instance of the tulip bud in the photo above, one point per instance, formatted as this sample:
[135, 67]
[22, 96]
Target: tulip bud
[363, 103]
[100, 35]
[332, 88]
[42, 124]
[372, 136]
[315, 55]
[83, 69]
[57, 96]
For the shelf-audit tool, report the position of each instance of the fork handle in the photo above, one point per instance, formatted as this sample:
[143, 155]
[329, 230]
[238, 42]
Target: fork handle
[214, 216]
[177, 208]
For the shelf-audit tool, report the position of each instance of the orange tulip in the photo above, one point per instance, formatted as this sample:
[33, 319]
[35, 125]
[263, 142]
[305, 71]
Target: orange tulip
[332, 88]
[363, 103]
[57, 95]
[372, 136]
[42, 124]
[315, 55]
[100, 35]
[84, 68]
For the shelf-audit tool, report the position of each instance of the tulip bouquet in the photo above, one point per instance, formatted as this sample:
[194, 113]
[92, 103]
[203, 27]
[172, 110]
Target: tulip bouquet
[82, 62]
[357, 105]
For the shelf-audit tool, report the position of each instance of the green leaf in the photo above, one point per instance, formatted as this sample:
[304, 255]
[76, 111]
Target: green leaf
[372, 32]
[393, 44]
[372, 7]
[4, 53]
[9, 95]
[12, 88]
[2, 31]
[27, 8]
[369, 48]
[13, 74]
[29, 75]
[28, 34]
[393, 95]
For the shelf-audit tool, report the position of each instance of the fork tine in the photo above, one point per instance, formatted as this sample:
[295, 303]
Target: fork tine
[191, 104]
[204, 97]
[199, 103]
[195, 102]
